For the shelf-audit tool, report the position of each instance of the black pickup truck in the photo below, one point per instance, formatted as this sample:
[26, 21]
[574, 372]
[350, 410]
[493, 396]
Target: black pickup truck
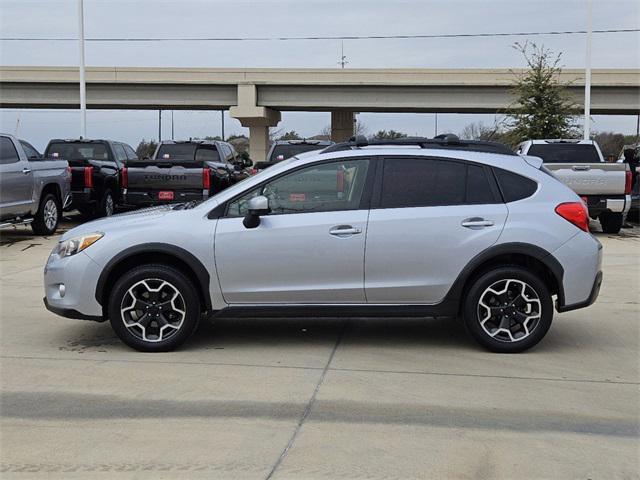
[96, 170]
[182, 171]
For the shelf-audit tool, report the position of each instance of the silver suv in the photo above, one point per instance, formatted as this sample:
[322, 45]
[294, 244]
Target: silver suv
[414, 227]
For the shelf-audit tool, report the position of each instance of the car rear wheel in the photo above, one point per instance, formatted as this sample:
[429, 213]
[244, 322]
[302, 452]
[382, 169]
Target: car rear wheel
[48, 215]
[154, 308]
[611, 222]
[106, 205]
[508, 309]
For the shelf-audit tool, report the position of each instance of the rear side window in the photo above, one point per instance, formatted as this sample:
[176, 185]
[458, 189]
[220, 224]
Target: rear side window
[565, 152]
[131, 154]
[513, 186]
[420, 182]
[8, 153]
[478, 187]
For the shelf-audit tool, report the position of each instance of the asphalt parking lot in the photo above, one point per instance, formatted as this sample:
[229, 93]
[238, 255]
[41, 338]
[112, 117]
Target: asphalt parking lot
[318, 398]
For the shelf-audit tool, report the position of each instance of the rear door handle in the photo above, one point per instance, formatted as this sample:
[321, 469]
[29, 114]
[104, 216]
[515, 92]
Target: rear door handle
[476, 222]
[26, 170]
[344, 231]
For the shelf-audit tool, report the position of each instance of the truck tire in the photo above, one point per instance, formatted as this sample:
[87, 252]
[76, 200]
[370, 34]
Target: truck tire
[48, 215]
[106, 205]
[611, 222]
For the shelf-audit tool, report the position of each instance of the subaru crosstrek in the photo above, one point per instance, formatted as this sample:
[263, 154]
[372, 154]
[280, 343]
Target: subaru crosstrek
[413, 227]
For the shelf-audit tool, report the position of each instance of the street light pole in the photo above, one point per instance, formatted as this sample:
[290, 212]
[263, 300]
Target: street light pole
[222, 122]
[587, 73]
[83, 92]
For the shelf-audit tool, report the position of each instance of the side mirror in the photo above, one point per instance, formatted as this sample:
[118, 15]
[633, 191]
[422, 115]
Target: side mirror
[257, 206]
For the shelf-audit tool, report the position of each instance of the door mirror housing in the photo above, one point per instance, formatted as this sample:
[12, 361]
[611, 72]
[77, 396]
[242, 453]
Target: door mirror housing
[257, 206]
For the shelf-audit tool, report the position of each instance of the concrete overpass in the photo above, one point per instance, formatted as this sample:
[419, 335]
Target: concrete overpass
[257, 96]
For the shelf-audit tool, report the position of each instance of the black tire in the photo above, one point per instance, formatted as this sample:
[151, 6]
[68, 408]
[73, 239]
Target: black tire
[135, 336]
[106, 205]
[611, 222]
[515, 340]
[48, 215]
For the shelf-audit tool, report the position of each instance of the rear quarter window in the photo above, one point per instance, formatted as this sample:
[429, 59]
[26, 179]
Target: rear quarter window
[565, 152]
[514, 187]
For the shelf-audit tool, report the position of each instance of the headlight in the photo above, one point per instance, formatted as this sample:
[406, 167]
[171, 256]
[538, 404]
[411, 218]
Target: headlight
[78, 244]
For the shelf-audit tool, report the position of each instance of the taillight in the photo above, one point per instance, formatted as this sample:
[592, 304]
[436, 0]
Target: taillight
[627, 182]
[69, 170]
[206, 178]
[576, 213]
[124, 177]
[88, 177]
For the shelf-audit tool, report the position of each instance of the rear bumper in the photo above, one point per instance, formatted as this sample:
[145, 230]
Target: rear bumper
[595, 291]
[149, 198]
[81, 198]
[581, 260]
[608, 203]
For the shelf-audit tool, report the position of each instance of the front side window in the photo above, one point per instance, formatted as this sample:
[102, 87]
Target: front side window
[318, 188]
[121, 155]
[32, 153]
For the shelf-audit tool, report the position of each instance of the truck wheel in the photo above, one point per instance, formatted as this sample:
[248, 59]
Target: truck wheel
[106, 205]
[611, 222]
[48, 215]
[508, 309]
[154, 308]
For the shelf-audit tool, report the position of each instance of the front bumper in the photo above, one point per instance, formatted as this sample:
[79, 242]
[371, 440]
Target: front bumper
[79, 275]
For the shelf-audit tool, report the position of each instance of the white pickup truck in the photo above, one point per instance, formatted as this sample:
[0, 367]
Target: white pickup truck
[604, 187]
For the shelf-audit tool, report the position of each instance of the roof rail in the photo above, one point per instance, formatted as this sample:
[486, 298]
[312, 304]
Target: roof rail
[446, 141]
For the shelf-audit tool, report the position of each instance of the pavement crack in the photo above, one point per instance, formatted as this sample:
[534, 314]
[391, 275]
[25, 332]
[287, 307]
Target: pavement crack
[309, 406]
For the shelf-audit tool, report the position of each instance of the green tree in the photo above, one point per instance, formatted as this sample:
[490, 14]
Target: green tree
[292, 135]
[543, 108]
[146, 149]
[388, 135]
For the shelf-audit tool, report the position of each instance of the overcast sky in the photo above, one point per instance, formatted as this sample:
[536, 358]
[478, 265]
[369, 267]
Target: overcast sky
[265, 18]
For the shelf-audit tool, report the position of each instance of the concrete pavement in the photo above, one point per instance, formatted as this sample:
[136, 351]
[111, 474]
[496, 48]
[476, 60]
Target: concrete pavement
[318, 398]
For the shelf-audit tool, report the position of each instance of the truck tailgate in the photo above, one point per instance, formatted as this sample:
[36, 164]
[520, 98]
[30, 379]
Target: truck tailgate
[173, 178]
[591, 178]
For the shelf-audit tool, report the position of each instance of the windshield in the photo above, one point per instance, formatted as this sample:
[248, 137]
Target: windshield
[565, 152]
[187, 151]
[78, 151]
[282, 152]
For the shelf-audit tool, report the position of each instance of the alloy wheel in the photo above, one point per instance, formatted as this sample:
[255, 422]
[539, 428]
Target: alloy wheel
[153, 310]
[50, 214]
[509, 310]
[108, 205]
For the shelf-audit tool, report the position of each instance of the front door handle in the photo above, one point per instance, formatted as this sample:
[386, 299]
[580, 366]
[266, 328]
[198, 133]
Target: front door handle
[26, 170]
[344, 231]
[476, 222]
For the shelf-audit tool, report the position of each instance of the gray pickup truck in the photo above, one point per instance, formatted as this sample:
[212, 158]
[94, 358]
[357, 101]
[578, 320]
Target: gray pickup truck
[32, 190]
[579, 164]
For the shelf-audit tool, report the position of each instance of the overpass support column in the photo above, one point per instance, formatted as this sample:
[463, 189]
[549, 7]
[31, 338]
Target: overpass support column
[257, 118]
[343, 123]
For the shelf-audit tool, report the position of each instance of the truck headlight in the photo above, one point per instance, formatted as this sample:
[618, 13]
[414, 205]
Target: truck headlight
[77, 244]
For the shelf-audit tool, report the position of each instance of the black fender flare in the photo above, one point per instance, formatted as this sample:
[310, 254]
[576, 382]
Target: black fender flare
[456, 293]
[181, 254]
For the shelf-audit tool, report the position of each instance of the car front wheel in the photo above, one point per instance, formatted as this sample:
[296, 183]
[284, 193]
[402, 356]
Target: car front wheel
[154, 308]
[508, 309]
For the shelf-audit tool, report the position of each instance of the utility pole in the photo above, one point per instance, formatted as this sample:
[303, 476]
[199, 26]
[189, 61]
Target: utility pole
[172, 131]
[587, 74]
[222, 123]
[343, 58]
[435, 134]
[159, 126]
[83, 92]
